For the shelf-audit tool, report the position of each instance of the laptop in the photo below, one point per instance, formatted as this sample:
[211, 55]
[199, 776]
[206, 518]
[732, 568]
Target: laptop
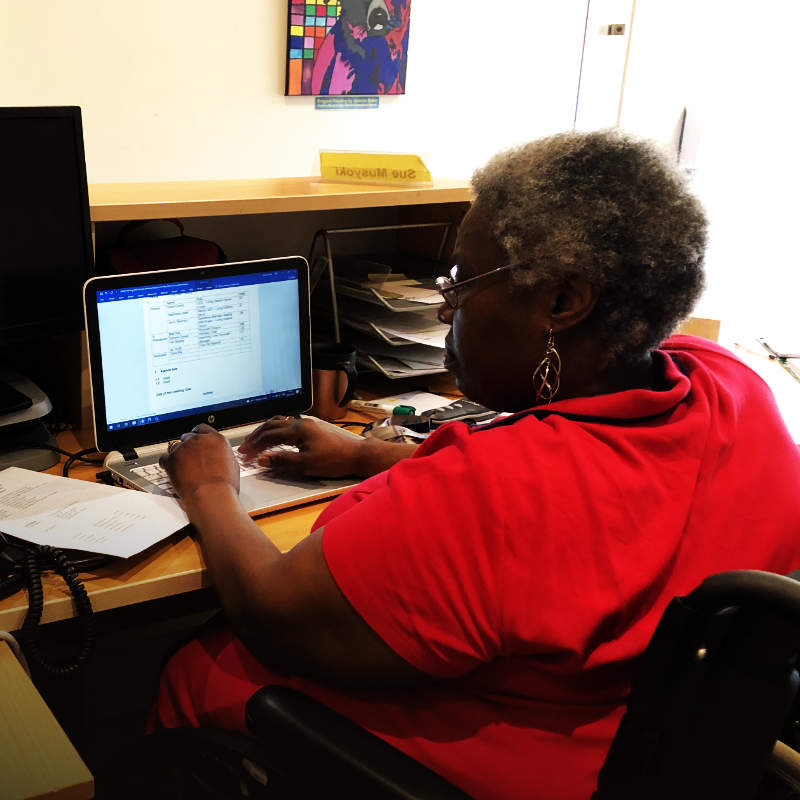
[227, 344]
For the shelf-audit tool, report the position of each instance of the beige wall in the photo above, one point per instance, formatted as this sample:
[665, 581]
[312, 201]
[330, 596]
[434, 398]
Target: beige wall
[189, 89]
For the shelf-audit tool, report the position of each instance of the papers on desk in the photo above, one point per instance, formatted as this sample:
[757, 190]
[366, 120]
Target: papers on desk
[394, 291]
[419, 401]
[396, 329]
[74, 514]
[396, 316]
[418, 328]
[397, 285]
[398, 362]
[415, 356]
[394, 367]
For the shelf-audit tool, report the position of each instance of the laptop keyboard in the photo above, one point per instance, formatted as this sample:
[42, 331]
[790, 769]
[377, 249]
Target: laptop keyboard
[156, 474]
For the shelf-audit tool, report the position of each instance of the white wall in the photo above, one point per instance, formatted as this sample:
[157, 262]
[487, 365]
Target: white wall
[734, 66]
[192, 89]
[603, 64]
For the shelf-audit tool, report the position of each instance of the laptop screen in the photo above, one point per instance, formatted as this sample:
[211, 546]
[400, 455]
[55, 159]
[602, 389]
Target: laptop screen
[226, 345]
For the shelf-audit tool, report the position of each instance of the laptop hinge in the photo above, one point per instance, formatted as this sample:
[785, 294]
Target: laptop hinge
[129, 454]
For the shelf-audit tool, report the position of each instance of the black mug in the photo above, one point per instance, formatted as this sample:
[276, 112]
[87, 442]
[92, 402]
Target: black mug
[333, 367]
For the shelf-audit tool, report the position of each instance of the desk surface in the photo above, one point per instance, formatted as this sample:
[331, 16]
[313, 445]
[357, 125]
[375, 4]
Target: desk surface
[171, 567]
[128, 201]
[36, 757]
[175, 565]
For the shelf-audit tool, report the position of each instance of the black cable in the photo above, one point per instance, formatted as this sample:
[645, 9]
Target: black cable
[104, 476]
[11, 583]
[79, 456]
[30, 628]
[73, 457]
[12, 578]
[353, 424]
[55, 449]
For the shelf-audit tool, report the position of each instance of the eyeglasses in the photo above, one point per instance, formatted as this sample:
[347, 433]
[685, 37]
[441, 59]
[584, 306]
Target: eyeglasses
[448, 287]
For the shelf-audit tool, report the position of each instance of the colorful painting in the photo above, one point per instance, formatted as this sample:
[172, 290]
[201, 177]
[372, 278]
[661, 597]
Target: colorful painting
[347, 47]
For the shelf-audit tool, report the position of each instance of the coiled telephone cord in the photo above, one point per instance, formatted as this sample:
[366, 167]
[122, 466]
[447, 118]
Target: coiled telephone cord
[31, 632]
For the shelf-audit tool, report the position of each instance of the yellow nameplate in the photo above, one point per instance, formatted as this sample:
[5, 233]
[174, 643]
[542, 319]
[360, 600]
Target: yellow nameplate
[395, 168]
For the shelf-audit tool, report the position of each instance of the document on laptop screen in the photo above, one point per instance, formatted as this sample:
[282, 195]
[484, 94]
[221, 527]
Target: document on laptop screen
[180, 348]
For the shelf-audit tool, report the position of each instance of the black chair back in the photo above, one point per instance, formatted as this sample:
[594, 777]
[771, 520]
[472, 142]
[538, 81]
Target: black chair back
[711, 694]
[332, 757]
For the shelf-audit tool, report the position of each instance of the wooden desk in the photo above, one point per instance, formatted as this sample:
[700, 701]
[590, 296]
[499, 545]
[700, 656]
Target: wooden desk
[127, 201]
[37, 759]
[171, 567]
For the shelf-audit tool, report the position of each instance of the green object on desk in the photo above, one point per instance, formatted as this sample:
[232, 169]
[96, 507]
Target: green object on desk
[404, 410]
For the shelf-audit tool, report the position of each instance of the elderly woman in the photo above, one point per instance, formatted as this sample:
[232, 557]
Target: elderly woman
[478, 602]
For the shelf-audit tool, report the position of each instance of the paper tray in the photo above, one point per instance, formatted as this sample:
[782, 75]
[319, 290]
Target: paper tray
[372, 363]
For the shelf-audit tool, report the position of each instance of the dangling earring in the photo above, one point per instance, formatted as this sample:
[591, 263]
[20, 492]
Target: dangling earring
[547, 376]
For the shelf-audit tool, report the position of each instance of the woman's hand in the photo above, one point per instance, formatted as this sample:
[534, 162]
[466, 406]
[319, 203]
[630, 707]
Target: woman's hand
[202, 457]
[322, 450]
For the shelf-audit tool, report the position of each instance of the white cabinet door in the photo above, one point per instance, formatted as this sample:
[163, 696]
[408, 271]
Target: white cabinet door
[733, 66]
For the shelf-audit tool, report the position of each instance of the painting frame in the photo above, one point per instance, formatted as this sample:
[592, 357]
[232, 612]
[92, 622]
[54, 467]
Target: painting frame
[347, 47]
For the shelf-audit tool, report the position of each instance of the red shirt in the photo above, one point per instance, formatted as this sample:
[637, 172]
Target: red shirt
[529, 560]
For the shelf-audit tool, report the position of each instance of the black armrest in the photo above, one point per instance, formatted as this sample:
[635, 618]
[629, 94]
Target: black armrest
[314, 741]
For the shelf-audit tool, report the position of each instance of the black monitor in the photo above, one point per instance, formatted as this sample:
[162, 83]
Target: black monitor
[46, 242]
[45, 248]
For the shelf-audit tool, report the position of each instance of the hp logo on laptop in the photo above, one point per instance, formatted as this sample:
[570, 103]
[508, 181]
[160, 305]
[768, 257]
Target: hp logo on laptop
[211, 419]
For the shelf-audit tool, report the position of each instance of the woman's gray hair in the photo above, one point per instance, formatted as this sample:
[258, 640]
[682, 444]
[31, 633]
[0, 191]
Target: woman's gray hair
[609, 208]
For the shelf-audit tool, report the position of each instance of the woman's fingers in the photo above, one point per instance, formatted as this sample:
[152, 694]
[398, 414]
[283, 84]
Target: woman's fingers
[276, 430]
[201, 456]
[284, 463]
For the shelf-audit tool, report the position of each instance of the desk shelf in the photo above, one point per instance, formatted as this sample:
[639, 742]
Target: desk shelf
[111, 202]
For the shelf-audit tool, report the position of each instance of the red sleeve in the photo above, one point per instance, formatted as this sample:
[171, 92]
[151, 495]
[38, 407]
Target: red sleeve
[420, 561]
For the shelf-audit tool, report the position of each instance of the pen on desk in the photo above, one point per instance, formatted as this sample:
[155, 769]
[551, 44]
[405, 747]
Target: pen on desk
[371, 408]
[781, 358]
[745, 349]
[369, 405]
[790, 369]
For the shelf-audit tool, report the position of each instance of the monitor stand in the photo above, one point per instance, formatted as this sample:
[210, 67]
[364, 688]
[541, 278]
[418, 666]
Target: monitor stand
[23, 405]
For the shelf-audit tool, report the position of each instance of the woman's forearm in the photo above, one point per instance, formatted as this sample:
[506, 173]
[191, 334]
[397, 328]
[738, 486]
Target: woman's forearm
[376, 455]
[235, 549]
[285, 607]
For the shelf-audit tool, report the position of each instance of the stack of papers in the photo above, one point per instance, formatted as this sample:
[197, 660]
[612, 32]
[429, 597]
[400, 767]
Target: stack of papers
[396, 317]
[78, 515]
[398, 362]
[399, 293]
[395, 329]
